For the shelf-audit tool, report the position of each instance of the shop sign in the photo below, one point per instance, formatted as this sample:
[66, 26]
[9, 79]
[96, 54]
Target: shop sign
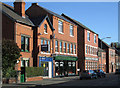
[44, 47]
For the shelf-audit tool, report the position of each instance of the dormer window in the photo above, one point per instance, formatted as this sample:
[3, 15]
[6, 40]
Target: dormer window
[45, 28]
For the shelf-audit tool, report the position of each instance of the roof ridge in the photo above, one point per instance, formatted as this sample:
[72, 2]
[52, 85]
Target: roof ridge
[77, 22]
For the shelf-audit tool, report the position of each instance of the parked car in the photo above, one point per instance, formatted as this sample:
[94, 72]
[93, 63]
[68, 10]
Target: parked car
[117, 71]
[100, 73]
[88, 74]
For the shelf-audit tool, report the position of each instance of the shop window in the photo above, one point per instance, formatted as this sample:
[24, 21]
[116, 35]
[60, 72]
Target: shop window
[24, 43]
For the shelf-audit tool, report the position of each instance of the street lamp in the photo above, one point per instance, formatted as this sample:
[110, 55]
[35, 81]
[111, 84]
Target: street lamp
[101, 48]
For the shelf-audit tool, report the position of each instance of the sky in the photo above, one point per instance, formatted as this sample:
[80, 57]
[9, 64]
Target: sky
[100, 17]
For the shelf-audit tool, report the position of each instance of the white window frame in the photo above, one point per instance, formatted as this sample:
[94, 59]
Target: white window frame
[48, 46]
[60, 26]
[56, 46]
[60, 46]
[71, 48]
[68, 48]
[74, 48]
[64, 47]
[88, 37]
[86, 47]
[95, 38]
[71, 30]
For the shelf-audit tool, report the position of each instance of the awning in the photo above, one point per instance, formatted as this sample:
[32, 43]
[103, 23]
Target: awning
[66, 58]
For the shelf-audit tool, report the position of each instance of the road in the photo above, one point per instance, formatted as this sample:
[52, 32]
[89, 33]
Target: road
[111, 81]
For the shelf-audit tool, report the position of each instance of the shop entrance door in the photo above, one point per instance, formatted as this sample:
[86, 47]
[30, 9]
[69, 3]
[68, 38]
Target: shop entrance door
[46, 68]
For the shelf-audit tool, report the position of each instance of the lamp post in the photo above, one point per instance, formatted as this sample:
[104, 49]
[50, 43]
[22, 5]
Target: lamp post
[101, 48]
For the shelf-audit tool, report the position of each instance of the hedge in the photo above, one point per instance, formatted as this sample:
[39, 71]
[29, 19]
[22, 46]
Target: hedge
[34, 71]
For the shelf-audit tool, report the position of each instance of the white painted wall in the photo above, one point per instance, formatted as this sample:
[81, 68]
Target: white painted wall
[50, 69]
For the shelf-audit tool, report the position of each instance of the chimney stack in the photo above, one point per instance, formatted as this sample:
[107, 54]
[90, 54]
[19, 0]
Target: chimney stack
[19, 7]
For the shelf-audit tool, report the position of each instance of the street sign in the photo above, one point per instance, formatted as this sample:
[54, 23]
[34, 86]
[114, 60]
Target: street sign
[44, 47]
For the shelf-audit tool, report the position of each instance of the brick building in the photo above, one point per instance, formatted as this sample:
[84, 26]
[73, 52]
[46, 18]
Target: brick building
[16, 26]
[102, 61]
[110, 56]
[63, 43]
[87, 46]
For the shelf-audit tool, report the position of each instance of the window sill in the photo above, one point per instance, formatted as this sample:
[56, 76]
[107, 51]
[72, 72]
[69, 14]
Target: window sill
[45, 33]
[26, 51]
[44, 53]
[61, 32]
[71, 36]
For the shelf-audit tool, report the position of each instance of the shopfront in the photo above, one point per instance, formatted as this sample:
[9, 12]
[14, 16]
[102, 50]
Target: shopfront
[65, 66]
[47, 63]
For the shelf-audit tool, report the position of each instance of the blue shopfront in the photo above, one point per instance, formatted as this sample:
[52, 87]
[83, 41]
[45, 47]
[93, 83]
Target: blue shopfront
[47, 63]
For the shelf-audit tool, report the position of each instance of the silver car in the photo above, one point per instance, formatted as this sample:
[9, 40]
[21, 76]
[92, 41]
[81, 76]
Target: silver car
[88, 74]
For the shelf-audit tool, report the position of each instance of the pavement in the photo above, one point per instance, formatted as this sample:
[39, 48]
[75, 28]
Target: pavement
[110, 81]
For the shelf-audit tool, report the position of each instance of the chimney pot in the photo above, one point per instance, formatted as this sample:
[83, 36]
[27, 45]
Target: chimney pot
[34, 3]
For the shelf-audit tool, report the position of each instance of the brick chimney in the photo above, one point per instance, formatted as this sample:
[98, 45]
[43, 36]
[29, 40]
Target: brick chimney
[19, 7]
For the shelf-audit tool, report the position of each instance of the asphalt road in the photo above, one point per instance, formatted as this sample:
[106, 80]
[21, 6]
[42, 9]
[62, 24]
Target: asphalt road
[111, 81]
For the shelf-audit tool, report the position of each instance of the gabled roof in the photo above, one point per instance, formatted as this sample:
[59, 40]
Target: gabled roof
[106, 44]
[77, 22]
[55, 14]
[48, 20]
[9, 12]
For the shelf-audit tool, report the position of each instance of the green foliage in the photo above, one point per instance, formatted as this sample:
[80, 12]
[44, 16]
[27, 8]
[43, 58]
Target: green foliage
[34, 71]
[10, 54]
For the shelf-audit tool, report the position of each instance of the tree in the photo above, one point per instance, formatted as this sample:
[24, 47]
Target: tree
[10, 54]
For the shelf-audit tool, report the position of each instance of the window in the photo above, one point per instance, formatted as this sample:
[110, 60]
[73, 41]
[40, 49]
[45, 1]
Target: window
[60, 46]
[71, 49]
[64, 47]
[71, 30]
[45, 42]
[60, 26]
[74, 49]
[86, 49]
[95, 38]
[41, 41]
[88, 36]
[86, 65]
[56, 46]
[48, 46]
[68, 50]
[24, 43]
[45, 28]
